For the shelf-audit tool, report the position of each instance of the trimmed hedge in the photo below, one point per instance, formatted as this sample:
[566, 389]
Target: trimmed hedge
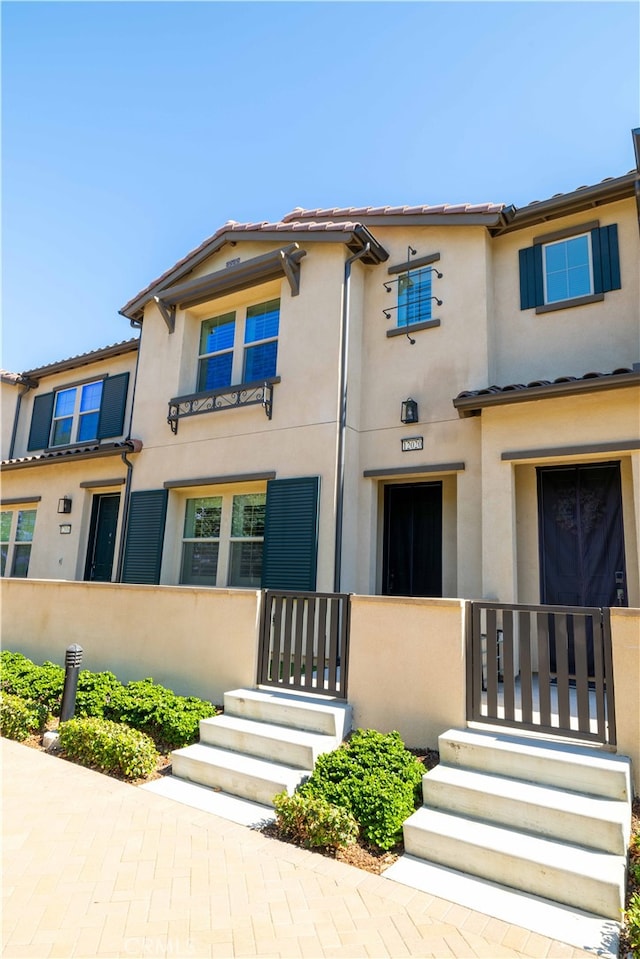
[171, 720]
[109, 747]
[314, 822]
[20, 718]
[375, 778]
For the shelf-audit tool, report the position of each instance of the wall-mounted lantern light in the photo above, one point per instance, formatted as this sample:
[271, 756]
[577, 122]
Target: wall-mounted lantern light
[409, 412]
[64, 504]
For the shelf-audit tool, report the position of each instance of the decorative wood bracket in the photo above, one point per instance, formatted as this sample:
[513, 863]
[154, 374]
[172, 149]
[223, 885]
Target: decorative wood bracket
[168, 313]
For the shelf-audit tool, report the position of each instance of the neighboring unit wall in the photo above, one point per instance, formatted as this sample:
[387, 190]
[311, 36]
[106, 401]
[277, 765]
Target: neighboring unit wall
[510, 508]
[598, 336]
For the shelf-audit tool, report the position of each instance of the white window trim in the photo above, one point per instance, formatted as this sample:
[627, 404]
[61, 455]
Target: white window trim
[227, 492]
[567, 239]
[12, 542]
[76, 415]
[239, 347]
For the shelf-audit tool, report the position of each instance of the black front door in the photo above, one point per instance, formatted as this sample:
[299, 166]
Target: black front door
[412, 560]
[581, 535]
[102, 537]
[581, 544]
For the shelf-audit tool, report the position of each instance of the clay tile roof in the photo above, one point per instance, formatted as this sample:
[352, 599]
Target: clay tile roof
[81, 359]
[232, 226]
[298, 213]
[541, 384]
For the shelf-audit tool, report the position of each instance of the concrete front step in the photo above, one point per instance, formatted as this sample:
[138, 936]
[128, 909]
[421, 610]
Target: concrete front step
[582, 820]
[319, 714]
[266, 742]
[240, 775]
[587, 879]
[293, 747]
[560, 764]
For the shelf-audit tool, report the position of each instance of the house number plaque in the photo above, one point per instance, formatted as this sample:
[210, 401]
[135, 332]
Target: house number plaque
[412, 443]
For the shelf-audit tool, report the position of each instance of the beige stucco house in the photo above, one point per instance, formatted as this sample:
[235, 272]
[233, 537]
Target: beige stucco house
[419, 401]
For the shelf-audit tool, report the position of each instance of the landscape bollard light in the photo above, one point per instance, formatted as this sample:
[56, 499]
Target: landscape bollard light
[72, 660]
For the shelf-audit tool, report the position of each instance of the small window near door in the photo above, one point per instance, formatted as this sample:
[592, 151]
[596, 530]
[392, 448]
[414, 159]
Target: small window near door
[16, 536]
[201, 541]
[247, 539]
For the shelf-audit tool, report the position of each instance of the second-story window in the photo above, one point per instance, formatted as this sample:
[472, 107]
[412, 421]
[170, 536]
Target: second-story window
[414, 297]
[567, 269]
[76, 413]
[239, 347]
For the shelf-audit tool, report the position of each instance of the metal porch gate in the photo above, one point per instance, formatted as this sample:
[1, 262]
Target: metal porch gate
[304, 642]
[542, 668]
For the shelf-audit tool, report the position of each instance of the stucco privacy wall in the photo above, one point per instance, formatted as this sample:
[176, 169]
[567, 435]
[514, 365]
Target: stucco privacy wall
[625, 632]
[198, 642]
[407, 656]
[406, 666]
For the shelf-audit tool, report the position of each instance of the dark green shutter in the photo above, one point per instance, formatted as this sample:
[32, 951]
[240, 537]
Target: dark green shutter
[145, 536]
[606, 259]
[291, 534]
[41, 422]
[531, 287]
[112, 406]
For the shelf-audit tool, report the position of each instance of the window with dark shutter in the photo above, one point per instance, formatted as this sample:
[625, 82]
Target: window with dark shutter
[145, 537]
[546, 281]
[112, 408]
[291, 534]
[41, 422]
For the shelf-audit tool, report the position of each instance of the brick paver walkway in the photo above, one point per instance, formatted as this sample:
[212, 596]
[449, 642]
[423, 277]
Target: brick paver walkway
[95, 867]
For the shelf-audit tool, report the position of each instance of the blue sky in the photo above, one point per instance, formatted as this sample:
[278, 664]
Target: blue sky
[132, 131]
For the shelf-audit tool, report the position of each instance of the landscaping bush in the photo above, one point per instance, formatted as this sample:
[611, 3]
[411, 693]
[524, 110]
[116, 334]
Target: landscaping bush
[20, 718]
[314, 822]
[169, 719]
[632, 923]
[95, 692]
[42, 684]
[109, 747]
[375, 778]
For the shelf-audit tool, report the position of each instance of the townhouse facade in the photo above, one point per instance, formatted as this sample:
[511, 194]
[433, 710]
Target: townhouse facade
[431, 401]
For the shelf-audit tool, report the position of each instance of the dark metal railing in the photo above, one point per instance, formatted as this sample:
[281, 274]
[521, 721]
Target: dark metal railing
[304, 642]
[543, 668]
[229, 397]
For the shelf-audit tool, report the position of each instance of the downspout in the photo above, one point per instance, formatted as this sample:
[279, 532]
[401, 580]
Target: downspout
[342, 418]
[129, 465]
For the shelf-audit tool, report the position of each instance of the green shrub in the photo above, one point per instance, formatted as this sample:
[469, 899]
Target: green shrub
[20, 718]
[632, 922]
[95, 692]
[109, 747]
[171, 720]
[42, 684]
[375, 778]
[314, 822]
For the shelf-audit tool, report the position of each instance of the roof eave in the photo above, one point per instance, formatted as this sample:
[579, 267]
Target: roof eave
[75, 362]
[473, 405]
[355, 240]
[584, 198]
[110, 449]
